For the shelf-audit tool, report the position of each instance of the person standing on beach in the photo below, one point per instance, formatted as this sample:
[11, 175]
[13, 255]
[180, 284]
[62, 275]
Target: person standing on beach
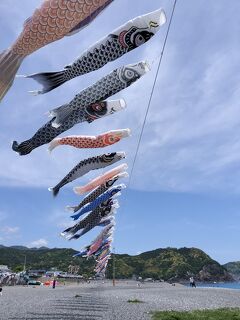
[54, 283]
[1, 290]
[192, 282]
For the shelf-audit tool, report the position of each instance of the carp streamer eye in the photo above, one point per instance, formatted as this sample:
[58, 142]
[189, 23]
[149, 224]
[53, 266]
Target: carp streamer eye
[97, 107]
[111, 139]
[111, 155]
[129, 74]
[139, 40]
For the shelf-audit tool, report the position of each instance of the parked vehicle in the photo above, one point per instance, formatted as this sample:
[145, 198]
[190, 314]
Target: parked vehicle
[34, 283]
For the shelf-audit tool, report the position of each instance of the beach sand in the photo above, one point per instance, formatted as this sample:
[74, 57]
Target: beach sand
[103, 301]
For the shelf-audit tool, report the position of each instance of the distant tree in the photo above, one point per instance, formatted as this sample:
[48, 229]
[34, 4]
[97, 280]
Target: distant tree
[17, 268]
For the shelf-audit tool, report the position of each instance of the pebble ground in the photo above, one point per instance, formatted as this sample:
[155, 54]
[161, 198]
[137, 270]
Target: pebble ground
[97, 301]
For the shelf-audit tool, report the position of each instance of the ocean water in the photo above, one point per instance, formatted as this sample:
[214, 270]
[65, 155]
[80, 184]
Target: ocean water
[226, 285]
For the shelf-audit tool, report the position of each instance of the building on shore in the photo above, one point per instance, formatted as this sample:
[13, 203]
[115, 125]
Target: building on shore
[4, 268]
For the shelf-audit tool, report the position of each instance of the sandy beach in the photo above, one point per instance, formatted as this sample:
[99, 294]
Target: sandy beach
[103, 301]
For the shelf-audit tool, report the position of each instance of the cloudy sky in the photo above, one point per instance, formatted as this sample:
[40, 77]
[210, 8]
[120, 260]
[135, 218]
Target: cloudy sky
[185, 186]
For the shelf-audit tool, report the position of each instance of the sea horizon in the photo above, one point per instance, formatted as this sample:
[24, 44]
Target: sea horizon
[224, 285]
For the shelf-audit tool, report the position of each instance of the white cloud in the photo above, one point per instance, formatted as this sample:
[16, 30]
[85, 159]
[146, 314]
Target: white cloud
[10, 230]
[38, 243]
[6, 230]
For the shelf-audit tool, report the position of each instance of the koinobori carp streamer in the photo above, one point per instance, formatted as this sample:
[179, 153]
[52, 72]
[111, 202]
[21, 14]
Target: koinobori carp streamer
[95, 216]
[101, 249]
[100, 180]
[102, 260]
[106, 232]
[93, 224]
[52, 21]
[105, 251]
[108, 219]
[124, 39]
[98, 242]
[109, 85]
[103, 140]
[87, 165]
[96, 193]
[82, 253]
[47, 132]
[112, 192]
[97, 246]
[91, 220]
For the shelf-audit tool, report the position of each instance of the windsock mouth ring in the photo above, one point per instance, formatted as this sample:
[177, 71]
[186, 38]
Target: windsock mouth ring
[122, 154]
[123, 103]
[126, 133]
[162, 18]
[156, 19]
[145, 66]
[124, 166]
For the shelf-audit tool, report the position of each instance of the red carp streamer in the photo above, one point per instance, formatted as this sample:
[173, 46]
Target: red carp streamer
[101, 141]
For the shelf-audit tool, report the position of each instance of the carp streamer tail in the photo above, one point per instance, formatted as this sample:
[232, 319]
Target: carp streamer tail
[49, 80]
[9, 65]
[23, 148]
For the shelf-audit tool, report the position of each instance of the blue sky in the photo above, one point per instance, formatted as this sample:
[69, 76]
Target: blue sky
[185, 185]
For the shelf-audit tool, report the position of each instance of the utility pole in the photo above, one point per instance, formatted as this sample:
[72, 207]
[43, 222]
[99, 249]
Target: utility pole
[114, 266]
[25, 262]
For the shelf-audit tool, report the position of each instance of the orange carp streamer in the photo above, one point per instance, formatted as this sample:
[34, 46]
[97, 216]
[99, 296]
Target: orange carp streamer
[119, 171]
[106, 139]
[52, 21]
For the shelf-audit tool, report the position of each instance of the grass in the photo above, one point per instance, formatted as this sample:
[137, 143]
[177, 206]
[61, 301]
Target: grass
[134, 301]
[219, 314]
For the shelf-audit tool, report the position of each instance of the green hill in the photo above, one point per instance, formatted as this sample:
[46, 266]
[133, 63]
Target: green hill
[168, 264]
[171, 264]
[233, 268]
[43, 259]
